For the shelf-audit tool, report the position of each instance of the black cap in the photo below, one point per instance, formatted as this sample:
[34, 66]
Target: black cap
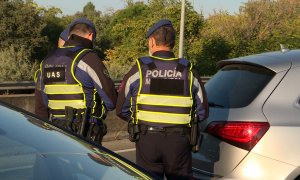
[65, 34]
[163, 22]
[83, 21]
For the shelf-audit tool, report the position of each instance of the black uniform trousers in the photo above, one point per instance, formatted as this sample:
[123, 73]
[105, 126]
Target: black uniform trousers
[165, 154]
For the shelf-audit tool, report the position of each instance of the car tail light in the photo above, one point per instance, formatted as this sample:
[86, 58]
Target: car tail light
[241, 134]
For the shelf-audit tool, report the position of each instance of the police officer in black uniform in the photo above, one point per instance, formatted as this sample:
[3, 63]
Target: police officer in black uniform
[75, 86]
[160, 97]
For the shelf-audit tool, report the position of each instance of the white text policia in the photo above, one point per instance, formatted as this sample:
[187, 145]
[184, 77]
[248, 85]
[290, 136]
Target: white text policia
[169, 74]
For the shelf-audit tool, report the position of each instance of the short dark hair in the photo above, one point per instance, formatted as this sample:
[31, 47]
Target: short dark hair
[165, 35]
[81, 29]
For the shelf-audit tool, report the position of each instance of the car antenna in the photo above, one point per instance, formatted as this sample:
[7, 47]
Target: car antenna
[284, 49]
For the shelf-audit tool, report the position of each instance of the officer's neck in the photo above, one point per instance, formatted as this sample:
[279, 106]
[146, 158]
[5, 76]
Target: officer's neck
[163, 54]
[79, 41]
[160, 48]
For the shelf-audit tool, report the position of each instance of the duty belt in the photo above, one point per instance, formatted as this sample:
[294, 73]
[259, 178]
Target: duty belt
[172, 129]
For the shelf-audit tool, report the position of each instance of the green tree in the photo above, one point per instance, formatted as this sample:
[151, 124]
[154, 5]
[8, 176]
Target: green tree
[129, 26]
[54, 26]
[101, 21]
[212, 51]
[269, 23]
[20, 32]
[127, 31]
[20, 24]
[90, 12]
[260, 26]
[214, 42]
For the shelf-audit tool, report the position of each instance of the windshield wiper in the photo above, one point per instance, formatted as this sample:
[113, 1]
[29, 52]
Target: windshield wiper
[212, 104]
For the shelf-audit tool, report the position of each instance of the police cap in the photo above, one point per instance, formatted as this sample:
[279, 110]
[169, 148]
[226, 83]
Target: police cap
[162, 22]
[83, 21]
[64, 35]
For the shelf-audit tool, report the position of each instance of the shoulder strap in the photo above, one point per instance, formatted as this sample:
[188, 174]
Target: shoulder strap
[78, 56]
[182, 64]
[80, 53]
[148, 61]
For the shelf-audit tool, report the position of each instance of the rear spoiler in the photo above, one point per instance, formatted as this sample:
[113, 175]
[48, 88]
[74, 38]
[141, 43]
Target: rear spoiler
[223, 63]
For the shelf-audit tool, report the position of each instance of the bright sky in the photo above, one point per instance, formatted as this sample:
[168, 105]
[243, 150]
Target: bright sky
[206, 6]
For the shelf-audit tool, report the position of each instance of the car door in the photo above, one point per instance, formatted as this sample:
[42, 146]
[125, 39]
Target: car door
[282, 109]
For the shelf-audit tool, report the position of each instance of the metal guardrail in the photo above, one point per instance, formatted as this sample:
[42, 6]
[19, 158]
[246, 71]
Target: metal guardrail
[17, 85]
[27, 87]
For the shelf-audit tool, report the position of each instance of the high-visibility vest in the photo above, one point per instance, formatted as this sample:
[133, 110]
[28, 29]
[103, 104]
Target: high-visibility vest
[62, 87]
[164, 94]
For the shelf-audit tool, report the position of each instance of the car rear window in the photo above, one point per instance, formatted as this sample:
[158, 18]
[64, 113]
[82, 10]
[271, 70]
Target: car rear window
[236, 85]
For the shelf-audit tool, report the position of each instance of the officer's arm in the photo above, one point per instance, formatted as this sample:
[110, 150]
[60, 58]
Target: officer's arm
[127, 90]
[41, 100]
[93, 66]
[199, 94]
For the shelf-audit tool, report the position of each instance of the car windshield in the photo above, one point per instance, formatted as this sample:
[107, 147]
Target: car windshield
[236, 85]
[33, 149]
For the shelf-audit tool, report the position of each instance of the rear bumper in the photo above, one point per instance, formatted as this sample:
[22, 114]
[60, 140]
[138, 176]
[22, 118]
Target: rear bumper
[254, 166]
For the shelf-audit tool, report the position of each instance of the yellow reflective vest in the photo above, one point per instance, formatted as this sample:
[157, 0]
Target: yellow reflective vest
[164, 94]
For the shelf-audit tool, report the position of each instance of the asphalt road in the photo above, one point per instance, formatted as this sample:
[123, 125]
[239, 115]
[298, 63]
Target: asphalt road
[122, 147]
[126, 149]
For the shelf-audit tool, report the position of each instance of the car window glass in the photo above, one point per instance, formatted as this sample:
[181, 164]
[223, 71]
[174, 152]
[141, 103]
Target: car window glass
[26, 154]
[19, 161]
[235, 86]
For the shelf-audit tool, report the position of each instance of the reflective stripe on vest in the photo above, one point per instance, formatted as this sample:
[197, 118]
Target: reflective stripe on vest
[161, 100]
[160, 117]
[156, 101]
[70, 90]
[60, 104]
[63, 89]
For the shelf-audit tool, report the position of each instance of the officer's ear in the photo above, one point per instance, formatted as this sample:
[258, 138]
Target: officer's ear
[90, 36]
[60, 42]
[152, 42]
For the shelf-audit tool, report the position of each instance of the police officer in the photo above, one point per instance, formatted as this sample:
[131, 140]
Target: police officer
[40, 106]
[75, 85]
[159, 97]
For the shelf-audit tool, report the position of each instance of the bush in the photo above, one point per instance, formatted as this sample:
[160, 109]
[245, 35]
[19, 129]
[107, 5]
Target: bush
[15, 64]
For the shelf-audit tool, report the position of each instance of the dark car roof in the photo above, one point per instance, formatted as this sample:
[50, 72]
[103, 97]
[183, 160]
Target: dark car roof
[276, 61]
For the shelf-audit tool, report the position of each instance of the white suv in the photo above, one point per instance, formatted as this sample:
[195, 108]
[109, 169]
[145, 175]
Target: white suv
[253, 129]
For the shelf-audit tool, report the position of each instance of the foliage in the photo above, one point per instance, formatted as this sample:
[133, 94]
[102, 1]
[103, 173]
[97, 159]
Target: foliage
[15, 64]
[20, 31]
[20, 23]
[129, 27]
[269, 23]
[101, 21]
[260, 26]
[28, 32]
[54, 26]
